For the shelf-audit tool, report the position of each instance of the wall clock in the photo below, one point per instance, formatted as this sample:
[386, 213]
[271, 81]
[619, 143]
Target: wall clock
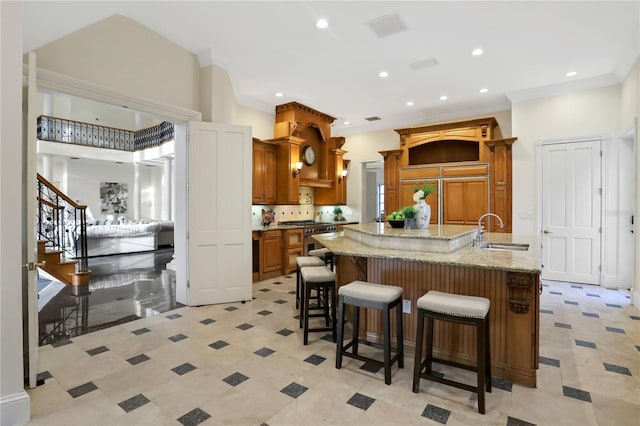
[308, 155]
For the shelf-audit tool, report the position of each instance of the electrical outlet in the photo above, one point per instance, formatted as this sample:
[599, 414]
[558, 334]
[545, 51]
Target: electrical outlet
[406, 306]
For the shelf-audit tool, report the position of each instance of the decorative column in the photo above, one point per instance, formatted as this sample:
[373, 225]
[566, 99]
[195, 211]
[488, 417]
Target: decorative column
[47, 171]
[135, 205]
[166, 189]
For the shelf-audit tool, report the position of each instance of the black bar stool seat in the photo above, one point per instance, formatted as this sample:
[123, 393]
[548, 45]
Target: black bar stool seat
[456, 308]
[360, 294]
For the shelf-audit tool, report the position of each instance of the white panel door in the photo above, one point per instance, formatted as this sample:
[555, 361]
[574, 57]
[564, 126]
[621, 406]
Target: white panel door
[219, 213]
[571, 203]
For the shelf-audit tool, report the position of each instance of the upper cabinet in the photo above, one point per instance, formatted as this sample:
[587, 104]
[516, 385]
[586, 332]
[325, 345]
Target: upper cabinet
[264, 173]
[468, 163]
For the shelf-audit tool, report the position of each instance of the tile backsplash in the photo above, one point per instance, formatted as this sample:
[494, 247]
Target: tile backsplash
[297, 212]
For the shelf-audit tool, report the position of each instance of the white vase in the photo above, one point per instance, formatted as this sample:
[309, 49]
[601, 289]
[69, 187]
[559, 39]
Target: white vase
[423, 215]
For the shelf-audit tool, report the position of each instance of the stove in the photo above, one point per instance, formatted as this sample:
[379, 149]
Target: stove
[311, 227]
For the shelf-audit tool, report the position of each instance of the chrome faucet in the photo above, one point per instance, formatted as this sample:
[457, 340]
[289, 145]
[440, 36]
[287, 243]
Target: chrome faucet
[479, 235]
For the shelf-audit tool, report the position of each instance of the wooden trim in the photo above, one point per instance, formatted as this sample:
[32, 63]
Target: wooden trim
[488, 121]
[295, 106]
[59, 193]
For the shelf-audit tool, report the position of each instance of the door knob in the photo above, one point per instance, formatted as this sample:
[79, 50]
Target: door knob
[546, 231]
[31, 266]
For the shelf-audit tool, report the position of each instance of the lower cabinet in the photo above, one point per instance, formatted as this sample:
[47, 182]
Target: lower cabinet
[293, 247]
[270, 254]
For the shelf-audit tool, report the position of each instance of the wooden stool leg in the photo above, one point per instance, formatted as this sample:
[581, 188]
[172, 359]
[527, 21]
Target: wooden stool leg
[417, 363]
[399, 335]
[429, 352]
[488, 353]
[356, 328]
[332, 292]
[297, 287]
[340, 344]
[480, 360]
[386, 327]
[307, 295]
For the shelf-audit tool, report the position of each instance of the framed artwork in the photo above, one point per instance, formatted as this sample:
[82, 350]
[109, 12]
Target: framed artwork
[113, 198]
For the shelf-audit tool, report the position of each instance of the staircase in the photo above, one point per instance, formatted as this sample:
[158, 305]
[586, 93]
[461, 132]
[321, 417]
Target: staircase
[61, 225]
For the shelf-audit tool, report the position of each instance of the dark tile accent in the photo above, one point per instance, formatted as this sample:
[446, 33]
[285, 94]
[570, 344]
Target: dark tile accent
[82, 389]
[500, 383]
[134, 402]
[264, 352]
[576, 393]
[207, 321]
[264, 290]
[244, 326]
[575, 286]
[562, 325]
[230, 309]
[98, 350]
[294, 390]
[119, 298]
[617, 369]
[173, 316]
[586, 344]
[569, 302]
[315, 359]
[134, 360]
[550, 361]
[284, 332]
[613, 305]
[371, 367]
[280, 302]
[288, 276]
[219, 344]
[361, 401]
[43, 376]
[615, 330]
[556, 292]
[593, 295]
[292, 292]
[638, 348]
[194, 417]
[634, 317]
[546, 311]
[327, 337]
[265, 313]
[235, 379]
[513, 421]
[178, 337]
[141, 331]
[589, 314]
[441, 375]
[277, 282]
[436, 414]
[183, 369]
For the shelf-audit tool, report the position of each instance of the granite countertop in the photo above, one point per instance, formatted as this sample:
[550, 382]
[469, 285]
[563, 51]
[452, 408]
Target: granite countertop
[520, 261]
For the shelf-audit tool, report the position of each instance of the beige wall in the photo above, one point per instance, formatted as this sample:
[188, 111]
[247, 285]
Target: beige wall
[119, 53]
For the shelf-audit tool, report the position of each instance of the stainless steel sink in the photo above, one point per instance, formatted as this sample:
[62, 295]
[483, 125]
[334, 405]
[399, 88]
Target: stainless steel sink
[505, 246]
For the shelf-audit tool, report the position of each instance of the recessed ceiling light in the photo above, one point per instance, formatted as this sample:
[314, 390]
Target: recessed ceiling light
[571, 73]
[477, 52]
[347, 123]
[443, 97]
[484, 90]
[322, 24]
[409, 103]
[279, 94]
[383, 74]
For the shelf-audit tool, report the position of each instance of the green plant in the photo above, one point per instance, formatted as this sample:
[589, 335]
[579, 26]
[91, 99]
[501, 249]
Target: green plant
[424, 192]
[337, 210]
[409, 212]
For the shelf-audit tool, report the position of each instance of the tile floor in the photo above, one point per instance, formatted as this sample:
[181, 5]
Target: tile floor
[244, 364]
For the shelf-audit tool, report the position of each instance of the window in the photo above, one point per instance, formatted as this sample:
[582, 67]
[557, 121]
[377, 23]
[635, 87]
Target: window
[380, 196]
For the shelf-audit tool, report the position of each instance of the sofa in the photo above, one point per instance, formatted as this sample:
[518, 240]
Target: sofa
[128, 237]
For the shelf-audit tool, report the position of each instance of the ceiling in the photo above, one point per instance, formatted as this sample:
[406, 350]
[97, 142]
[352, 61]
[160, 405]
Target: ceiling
[425, 46]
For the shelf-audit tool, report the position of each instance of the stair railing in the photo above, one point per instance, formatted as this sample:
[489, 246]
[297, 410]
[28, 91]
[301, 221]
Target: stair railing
[62, 223]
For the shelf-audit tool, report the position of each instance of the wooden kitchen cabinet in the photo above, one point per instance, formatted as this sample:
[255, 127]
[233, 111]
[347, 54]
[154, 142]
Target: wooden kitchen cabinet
[407, 189]
[464, 200]
[264, 173]
[293, 247]
[270, 254]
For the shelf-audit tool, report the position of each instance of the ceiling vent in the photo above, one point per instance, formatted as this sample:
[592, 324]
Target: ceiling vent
[387, 25]
[374, 118]
[425, 63]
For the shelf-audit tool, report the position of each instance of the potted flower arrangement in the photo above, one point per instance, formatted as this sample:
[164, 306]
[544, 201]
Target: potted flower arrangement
[409, 213]
[423, 209]
[337, 214]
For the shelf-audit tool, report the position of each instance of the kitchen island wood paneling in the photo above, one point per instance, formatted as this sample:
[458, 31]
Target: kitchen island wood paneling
[511, 280]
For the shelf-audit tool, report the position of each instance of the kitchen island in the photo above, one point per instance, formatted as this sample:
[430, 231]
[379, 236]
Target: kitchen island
[443, 258]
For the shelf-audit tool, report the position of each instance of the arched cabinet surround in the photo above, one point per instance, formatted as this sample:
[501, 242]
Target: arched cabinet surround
[467, 161]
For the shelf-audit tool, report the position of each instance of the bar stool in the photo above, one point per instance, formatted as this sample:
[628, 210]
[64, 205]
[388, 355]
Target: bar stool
[469, 310]
[321, 279]
[325, 254]
[360, 294]
[304, 261]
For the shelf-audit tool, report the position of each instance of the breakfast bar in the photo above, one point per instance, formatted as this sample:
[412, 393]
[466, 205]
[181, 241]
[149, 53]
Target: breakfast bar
[505, 268]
